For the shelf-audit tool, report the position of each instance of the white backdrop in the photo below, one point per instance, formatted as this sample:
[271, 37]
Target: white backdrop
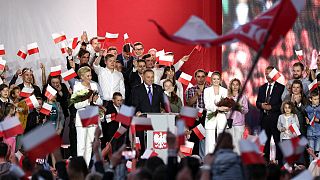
[26, 21]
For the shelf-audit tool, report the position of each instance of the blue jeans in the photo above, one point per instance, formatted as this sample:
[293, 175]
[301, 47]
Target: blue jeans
[314, 144]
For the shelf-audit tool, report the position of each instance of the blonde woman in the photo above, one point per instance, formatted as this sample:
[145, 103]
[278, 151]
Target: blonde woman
[238, 116]
[85, 135]
[212, 95]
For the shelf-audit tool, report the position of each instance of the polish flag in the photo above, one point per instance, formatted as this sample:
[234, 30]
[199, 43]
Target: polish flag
[141, 124]
[55, 71]
[200, 112]
[33, 48]
[208, 78]
[2, 50]
[294, 129]
[101, 39]
[2, 64]
[20, 157]
[313, 85]
[311, 123]
[160, 53]
[293, 149]
[46, 109]
[166, 60]
[180, 132]
[274, 74]
[299, 54]
[68, 75]
[89, 115]
[187, 148]
[74, 42]
[119, 132]
[250, 153]
[148, 153]
[26, 92]
[50, 92]
[41, 141]
[125, 37]
[22, 53]
[11, 127]
[58, 37]
[111, 37]
[63, 48]
[32, 102]
[185, 78]
[129, 166]
[137, 143]
[189, 115]
[200, 131]
[261, 140]
[166, 103]
[125, 115]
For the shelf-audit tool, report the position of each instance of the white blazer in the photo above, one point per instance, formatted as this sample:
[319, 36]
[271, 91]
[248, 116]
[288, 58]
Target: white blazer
[80, 105]
[211, 99]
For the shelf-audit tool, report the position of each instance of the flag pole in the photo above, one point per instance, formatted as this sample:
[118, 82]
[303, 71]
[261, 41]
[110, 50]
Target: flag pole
[192, 51]
[255, 62]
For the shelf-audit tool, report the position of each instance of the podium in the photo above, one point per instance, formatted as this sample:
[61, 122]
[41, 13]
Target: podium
[161, 122]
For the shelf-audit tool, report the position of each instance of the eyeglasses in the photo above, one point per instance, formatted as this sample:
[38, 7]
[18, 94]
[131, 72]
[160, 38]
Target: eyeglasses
[201, 76]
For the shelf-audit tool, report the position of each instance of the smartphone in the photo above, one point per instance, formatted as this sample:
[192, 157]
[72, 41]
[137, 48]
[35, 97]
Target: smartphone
[129, 154]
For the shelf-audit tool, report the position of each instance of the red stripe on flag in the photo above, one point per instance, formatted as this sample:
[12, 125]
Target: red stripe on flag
[22, 54]
[90, 120]
[198, 133]
[123, 119]
[139, 127]
[45, 111]
[44, 148]
[13, 131]
[2, 52]
[55, 73]
[60, 39]
[276, 76]
[189, 120]
[183, 81]
[33, 51]
[165, 63]
[251, 158]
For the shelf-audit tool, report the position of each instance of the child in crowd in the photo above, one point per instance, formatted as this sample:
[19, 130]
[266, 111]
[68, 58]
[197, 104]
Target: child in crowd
[4, 94]
[286, 119]
[312, 119]
[56, 116]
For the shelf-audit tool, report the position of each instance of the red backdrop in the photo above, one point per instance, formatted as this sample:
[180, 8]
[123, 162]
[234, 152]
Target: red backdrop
[128, 16]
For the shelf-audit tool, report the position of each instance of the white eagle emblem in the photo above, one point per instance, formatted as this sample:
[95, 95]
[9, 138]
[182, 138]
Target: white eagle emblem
[160, 140]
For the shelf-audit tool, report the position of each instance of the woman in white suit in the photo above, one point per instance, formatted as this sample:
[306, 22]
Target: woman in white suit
[211, 96]
[85, 135]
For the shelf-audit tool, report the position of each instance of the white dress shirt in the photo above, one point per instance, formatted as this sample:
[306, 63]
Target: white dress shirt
[147, 88]
[110, 82]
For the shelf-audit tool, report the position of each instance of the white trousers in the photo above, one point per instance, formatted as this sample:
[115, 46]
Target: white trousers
[85, 137]
[215, 124]
[237, 135]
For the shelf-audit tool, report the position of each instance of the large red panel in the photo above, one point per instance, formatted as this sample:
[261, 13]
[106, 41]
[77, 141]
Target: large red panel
[130, 16]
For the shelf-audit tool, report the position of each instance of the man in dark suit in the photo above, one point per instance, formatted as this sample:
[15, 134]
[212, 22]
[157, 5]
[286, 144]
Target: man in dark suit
[136, 78]
[269, 102]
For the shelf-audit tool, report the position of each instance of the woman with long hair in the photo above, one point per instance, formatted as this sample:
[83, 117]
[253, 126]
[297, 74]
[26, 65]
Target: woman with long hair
[169, 73]
[175, 101]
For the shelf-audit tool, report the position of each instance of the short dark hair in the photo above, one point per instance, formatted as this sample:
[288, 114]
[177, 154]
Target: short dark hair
[82, 52]
[299, 64]
[313, 94]
[147, 70]
[145, 56]
[199, 70]
[137, 44]
[270, 68]
[3, 149]
[108, 56]
[141, 60]
[126, 48]
[112, 48]
[93, 39]
[116, 94]
[2, 86]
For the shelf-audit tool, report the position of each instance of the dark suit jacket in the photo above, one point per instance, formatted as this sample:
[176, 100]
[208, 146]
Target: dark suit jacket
[140, 99]
[270, 117]
[134, 79]
[36, 91]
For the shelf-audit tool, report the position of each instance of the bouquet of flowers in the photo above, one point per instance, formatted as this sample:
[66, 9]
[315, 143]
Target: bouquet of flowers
[227, 102]
[80, 96]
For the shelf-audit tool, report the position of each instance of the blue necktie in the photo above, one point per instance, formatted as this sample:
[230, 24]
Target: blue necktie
[150, 95]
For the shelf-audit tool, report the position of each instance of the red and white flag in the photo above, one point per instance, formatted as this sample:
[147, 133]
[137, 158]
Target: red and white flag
[68, 75]
[277, 21]
[274, 74]
[63, 48]
[129, 166]
[58, 37]
[22, 53]
[200, 131]
[148, 153]
[20, 157]
[141, 124]
[187, 148]
[200, 112]
[311, 123]
[125, 115]
[160, 53]
[2, 64]
[101, 39]
[293, 149]
[121, 130]
[55, 71]
[111, 37]
[74, 43]
[46, 109]
[2, 50]
[89, 115]
[294, 129]
[299, 54]
[32, 102]
[250, 153]
[181, 132]
[50, 92]
[166, 101]
[189, 115]
[33, 48]
[185, 78]
[11, 127]
[26, 92]
[208, 78]
[166, 60]
[41, 141]
[261, 140]
[137, 144]
[126, 37]
[313, 85]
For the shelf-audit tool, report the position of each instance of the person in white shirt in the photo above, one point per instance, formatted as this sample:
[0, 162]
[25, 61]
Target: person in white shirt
[93, 46]
[158, 72]
[110, 80]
